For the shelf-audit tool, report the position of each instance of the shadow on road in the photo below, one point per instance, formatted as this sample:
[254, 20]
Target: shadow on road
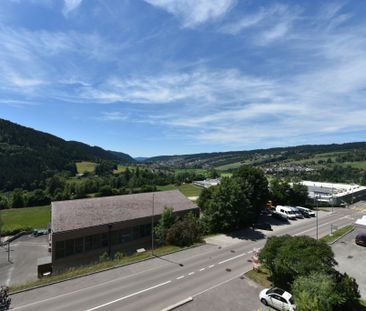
[170, 261]
[247, 234]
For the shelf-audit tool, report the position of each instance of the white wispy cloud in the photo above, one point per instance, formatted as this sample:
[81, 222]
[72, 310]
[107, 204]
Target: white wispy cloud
[113, 116]
[70, 6]
[194, 12]
[29, 59]
[263, 17]
[202, 86]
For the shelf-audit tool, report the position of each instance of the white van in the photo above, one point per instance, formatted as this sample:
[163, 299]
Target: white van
[285, 211]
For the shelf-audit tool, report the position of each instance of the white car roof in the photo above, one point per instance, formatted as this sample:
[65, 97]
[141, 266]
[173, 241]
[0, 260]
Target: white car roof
[286, 295]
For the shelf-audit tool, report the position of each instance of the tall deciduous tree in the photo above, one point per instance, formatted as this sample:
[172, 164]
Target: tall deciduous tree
[315, 292]
[288, 257]
[167, 220]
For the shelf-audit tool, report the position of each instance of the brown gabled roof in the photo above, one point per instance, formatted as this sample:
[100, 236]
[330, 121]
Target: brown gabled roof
[84, 213]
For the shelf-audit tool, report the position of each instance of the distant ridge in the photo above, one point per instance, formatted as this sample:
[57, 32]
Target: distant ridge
[28, 156]
[214, 159]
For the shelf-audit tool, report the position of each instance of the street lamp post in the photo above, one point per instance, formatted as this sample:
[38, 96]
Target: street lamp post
[317, 222]
[152, 225]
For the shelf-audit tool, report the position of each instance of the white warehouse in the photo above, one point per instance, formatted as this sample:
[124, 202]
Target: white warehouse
[335, 193]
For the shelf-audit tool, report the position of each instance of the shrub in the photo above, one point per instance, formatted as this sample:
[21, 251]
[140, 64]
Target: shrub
[185, 232]
[117, 256]
[104, 257]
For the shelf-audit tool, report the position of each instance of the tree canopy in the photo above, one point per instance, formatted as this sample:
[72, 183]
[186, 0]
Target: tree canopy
[236, 202]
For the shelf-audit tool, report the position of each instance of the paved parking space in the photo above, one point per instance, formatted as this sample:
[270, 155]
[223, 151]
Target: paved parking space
[278, 226]
[351, 258]
[24, 253]
[237, 294]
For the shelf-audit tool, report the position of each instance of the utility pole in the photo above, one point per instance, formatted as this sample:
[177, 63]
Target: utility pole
[152, 224]
[317, 223]
[332, 199]
[9, 252]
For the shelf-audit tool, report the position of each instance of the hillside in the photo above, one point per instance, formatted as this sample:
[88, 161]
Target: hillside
[261, 157]
[28, 156]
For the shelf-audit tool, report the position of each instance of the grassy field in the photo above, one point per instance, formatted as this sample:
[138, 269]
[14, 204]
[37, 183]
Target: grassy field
[229, 166]
[226, 174]
[188, 190]
[85, 166]
[194, 170]
[356, 164]
[120, 168]
[17, 219]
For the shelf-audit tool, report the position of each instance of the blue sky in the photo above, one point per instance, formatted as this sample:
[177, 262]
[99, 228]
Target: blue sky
[171, 77]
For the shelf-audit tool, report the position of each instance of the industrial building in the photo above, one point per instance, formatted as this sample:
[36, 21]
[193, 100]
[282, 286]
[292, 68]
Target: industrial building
[335, 194]
[207, 183]
[84, 229]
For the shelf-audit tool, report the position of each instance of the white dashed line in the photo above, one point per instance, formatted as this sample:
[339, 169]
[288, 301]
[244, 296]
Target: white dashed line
[180, 277]
[128, 296]
[211, 266]
[190, 273]
[232, 258]
[203, 269]
[250, 252]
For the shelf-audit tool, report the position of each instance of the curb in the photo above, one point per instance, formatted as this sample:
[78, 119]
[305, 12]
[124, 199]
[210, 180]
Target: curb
[349, 231]
[178, 304]
[103, 270]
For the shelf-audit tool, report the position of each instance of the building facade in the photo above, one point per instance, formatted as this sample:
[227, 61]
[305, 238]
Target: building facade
[82, 230]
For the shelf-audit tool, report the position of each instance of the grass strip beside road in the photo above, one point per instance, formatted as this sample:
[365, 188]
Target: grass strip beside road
[337, 234]
[99, 267]
[261, 277]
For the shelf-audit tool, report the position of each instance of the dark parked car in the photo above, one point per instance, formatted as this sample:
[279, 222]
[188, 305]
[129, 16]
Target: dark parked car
[279, 217]
[361, 239]
[262, 225]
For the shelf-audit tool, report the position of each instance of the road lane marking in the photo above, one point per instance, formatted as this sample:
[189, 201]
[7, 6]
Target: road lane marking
[211, 266]
[82, 289]
[180, 277]
[250, 252]
[129, 296]
[203, 269]
[232, 258]
[190, 273]
[322, 225]
[219, 284]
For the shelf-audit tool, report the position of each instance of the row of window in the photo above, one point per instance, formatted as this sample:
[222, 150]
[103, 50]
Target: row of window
[96, 241]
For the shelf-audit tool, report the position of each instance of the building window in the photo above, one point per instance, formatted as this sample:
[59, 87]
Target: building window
[145, 230]
[88, 243]
[60, 249]
[69, 247]
[115, 237]
[78, 245]
[104, 239]
[97, 241]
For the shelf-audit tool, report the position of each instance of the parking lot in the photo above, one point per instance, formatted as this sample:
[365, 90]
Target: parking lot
[24, 253]
[351, 258]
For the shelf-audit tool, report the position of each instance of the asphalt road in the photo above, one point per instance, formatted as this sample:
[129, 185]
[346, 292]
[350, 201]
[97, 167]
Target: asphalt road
[161, 282]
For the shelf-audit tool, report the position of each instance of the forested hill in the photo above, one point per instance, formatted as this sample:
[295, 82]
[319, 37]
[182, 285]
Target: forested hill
[258, 156]
[28, 157]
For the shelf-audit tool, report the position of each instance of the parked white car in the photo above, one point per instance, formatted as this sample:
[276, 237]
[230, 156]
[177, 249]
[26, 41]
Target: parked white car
[285, 211]
[277, 298]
